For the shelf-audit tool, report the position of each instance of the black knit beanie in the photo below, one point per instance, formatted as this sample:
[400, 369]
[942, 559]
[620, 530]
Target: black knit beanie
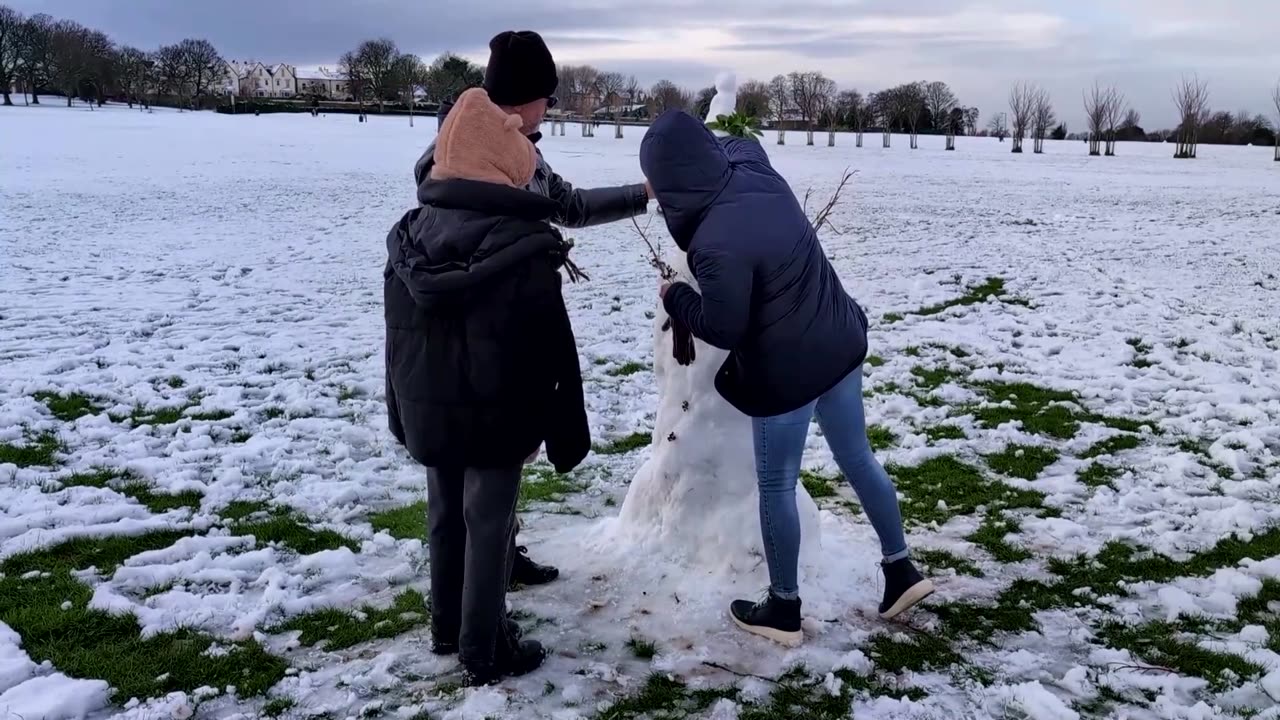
[520, 69]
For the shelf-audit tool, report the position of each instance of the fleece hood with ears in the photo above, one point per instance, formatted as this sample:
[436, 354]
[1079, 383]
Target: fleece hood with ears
[688, 169]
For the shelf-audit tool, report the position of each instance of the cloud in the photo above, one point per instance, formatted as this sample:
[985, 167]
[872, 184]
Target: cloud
[981, 47]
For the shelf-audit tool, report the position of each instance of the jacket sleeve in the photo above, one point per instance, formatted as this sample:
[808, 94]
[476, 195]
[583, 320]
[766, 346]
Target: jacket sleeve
[742, 151]
[597, 206]
[720, 315]
[568, 435]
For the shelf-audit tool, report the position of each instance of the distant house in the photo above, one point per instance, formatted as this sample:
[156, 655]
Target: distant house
[251, 78]
[323, 84]
[638, 111]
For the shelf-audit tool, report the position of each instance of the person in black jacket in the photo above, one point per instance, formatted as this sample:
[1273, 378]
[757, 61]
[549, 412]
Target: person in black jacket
[796, 341]
[482, 370]
[521, 78]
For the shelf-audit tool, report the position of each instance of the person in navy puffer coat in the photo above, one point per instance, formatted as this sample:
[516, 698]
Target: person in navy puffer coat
[796, 342]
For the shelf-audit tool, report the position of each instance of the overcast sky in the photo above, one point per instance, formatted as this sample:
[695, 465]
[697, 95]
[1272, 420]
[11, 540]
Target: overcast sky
[980, 48]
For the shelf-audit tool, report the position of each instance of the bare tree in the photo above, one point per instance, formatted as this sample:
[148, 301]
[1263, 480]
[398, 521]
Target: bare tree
[999, 126]
[1096, 102]
[11, 22]
[780, 103]
[971, 118]
[911, 107]
[173, 74]
[940, 101]
[35, 54]
[753, 99]
[850, 109]
[410, 75]
[1191, 98]
[1042, 118]
[1115, 111]
[131, 68]
[204, 66]
[665, 96]
[377, 61]
[1021, 106]
[807, 92]
[580, 88]
[883, 111]
[611, 86]
[1275, 98]
[1132, 119]
[352, 70]
[633, 91]
[71, 58]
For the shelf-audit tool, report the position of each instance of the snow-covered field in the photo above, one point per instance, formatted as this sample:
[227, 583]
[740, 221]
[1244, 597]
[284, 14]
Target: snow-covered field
[1076, 379]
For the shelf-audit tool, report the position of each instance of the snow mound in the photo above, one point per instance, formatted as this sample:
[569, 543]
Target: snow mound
[695, 498]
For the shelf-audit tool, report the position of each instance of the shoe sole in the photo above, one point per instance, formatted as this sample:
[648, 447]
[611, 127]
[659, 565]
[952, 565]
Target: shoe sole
[782, 637]
[909, 599]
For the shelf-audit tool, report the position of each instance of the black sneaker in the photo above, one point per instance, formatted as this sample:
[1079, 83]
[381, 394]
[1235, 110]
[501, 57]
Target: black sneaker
[773, 618]
[526, 573]
[519, 659]
[904, 587]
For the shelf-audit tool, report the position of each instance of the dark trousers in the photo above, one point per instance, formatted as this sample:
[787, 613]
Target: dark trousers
[472, 521]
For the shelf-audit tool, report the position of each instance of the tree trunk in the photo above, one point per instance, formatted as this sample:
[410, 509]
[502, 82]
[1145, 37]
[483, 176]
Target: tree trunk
[951, 142]
[859, 138]
[35, 94]
[915, 140]
[809, 137]
[8, 101]
[782, 137]
[617, 130]
[888, 138]
[831, 138]
[69, 99]
[1017, 145]
[410, 112]
[1278, 148]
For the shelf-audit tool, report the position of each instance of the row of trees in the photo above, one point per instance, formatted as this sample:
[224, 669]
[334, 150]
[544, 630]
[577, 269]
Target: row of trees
[377, 72]
[40, 53]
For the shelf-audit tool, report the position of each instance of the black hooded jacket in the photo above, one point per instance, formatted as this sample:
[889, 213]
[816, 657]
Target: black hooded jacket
[482, 366]
[766, 291]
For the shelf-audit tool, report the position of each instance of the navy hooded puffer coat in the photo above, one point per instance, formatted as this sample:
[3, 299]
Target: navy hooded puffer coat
[768, 293]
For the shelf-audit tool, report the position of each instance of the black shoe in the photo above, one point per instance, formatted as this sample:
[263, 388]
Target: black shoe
[519, 659]
[526, 573]
[443, 647]
[904, 587]
[773, 618]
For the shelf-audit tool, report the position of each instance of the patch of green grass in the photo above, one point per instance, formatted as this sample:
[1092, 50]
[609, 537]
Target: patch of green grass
[1023, 461]
[933, 378]
[944, 432]
[542, 484]
[641, 648]
[403, 523]
[592, 647]
[103, 553]
[99, 478]
[922, 652]
[911, 351]
[943, 487]
[276, 707]
[893, 317]
[881, 438]
[158, 416]
[630, 368]
[69, 407]
[932, 558]
[1098, 475]
[819, 486]
[1160, 643]
[974, 294]
[175, 382]
[348, 392]
[339, 629]
[39, 451]
[86, 643]
[663, 696]
[1129, 425]
[624, 445]
[238, 510]
[1034, 406]
[272, 413]
[874, 361]
[990, 536]
[160, 503]
[239, 437]
[211, 415]
[801, 694]
[1111, 446]
[288, 531]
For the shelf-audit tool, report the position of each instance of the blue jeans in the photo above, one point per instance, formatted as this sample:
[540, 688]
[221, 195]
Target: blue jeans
[779, 446]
